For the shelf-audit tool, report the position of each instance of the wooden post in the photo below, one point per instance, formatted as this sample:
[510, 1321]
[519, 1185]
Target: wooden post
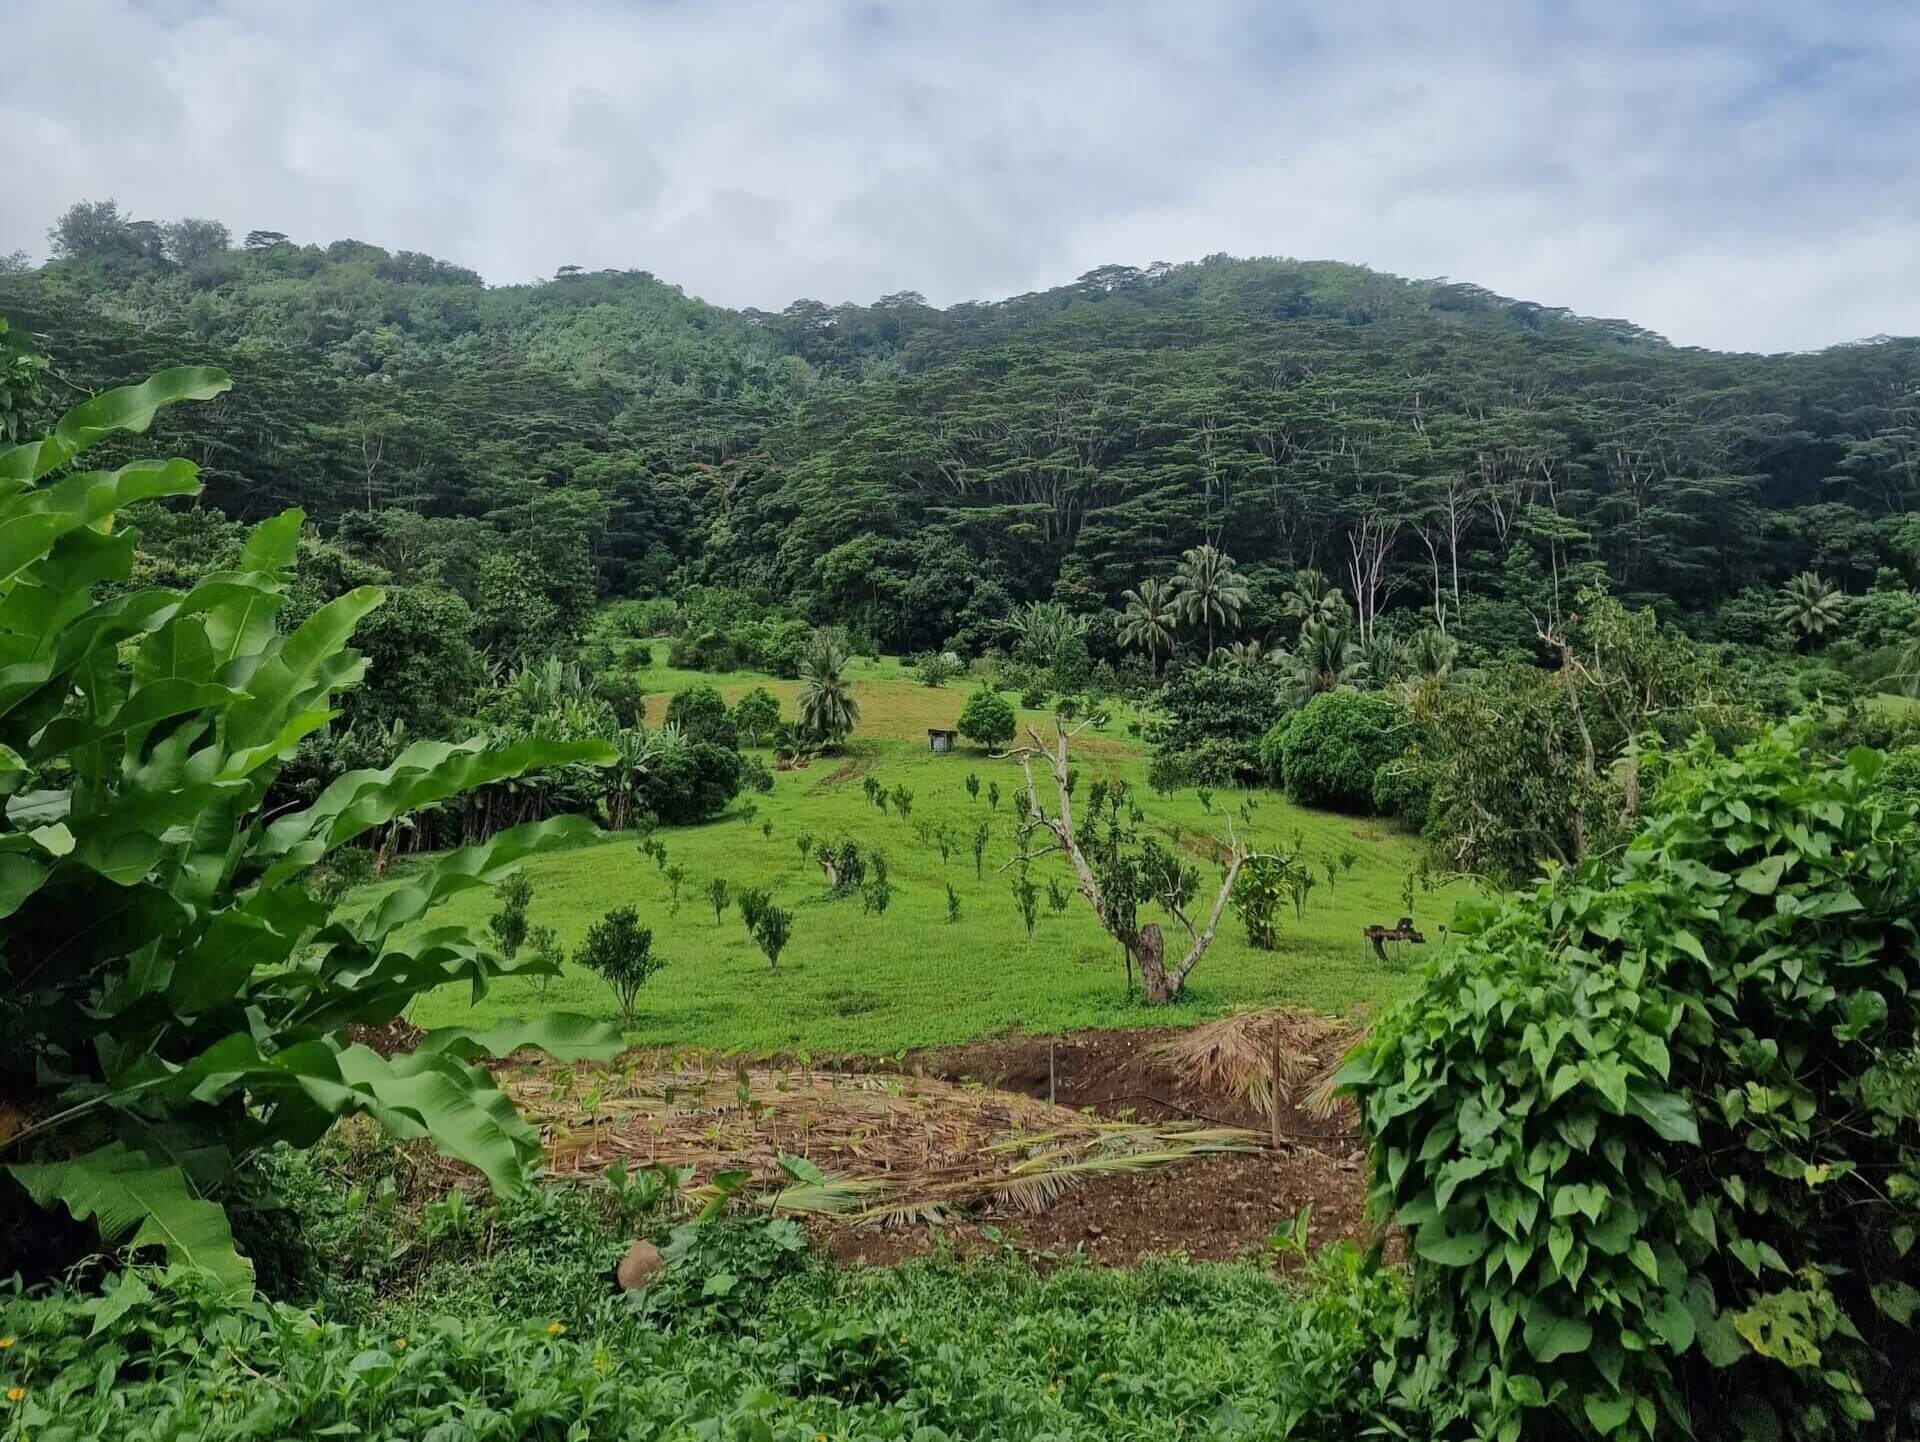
[1049, 1071]
[1273, 1052]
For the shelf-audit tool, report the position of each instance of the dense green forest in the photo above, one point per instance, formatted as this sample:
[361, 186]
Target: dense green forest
[1443, 454]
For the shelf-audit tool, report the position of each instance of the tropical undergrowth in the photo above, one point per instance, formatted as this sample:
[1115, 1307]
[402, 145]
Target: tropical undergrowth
[418, 1315]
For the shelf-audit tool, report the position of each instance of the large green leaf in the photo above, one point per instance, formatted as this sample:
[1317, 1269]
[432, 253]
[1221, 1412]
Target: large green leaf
[122, 1191]
[34, 524]
[425, 773]
[471, 866]
[306, 663]
[130, 408]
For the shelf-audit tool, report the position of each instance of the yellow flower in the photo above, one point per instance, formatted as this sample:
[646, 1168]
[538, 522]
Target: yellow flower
[5, 1342]
[554, 1329]
[399, 1344]
[16, 1394]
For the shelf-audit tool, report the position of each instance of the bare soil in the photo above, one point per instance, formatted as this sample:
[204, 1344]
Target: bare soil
[1212, 1208]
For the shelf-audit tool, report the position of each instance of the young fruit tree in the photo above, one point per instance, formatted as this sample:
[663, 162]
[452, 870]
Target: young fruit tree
[620, 951]
[508, 925]
[773, 930]
[1154, 875]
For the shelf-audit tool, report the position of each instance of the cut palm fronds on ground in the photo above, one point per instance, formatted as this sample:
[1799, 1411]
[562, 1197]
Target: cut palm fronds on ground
[868, 1148]
[1238, 1055]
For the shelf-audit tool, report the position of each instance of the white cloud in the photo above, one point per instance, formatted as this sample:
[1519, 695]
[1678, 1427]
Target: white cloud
[1729, 174]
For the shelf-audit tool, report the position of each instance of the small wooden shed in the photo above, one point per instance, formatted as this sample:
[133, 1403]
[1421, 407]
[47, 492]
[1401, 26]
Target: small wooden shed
[941, 741]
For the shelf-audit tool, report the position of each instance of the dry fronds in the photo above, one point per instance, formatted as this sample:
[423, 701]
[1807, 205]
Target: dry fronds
[891, 1148]
[1237, 1055]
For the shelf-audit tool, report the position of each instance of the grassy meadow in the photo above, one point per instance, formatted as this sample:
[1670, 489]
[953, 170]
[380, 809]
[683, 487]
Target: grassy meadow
[853, 982]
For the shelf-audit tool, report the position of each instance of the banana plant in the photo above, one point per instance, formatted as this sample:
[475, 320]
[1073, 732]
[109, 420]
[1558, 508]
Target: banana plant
[173, 998]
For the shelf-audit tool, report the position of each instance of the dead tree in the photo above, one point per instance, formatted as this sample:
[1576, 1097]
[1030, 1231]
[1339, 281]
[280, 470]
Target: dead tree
[1145, 944]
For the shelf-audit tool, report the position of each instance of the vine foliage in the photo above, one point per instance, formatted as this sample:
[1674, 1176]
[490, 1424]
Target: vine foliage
[1651, 1127]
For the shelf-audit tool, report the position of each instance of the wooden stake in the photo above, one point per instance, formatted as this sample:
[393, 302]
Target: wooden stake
[1049, 1071]
[1274, 1081]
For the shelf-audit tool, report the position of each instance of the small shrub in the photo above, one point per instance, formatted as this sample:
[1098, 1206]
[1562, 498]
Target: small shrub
[773, 929]
[876, 893]
[1331, 748]
[938, 667]
[953, 905]
[1026, 896]
[719, 895]
[754, 774]
[756, 716]
[986, 720]
[509, 924]
[973, 787]
[1263, 886]
[902, 802]
[702, 716]
[752, 904]
[620, 952]
[544, 943]
[342, 872]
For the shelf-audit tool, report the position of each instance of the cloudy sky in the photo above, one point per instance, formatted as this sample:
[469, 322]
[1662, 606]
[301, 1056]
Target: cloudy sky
[1739, 174]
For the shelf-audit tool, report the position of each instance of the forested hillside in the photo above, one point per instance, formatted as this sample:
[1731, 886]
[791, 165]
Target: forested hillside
[1448, 456]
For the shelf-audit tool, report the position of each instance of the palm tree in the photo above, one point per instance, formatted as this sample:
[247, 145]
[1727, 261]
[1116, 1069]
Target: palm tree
[1324, 659]
[826, 709]
[1149, 619]
[1243, 655]
[1811, 606]
[1210, 589]
[1431, 653]
[1312, 597]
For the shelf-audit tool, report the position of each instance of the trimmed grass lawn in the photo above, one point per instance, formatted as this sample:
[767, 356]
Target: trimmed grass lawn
[852, 982]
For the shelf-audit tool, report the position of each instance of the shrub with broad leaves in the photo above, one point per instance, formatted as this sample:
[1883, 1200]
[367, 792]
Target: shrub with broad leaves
[175, 1000]
[1651, 1127]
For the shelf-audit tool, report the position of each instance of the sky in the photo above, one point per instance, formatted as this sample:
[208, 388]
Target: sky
[1739, 175]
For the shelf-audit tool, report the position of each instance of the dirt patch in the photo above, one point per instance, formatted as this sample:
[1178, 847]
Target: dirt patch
[1210, 1208]
[1116, 1072]
[396, 1036]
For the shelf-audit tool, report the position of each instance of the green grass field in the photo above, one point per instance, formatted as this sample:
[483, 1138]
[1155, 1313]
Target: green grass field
[851, 982]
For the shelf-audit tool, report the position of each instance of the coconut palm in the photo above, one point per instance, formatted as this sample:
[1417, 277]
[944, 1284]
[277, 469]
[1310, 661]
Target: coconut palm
[1313, 597]
[1148, 621]
[1243, 655]
[1324, 659]
[1210, 589]
[826, 710]
[1812, 606]
[1431, 653]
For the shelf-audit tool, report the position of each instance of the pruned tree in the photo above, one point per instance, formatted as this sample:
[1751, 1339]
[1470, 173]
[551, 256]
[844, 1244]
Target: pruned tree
[1162, 878]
